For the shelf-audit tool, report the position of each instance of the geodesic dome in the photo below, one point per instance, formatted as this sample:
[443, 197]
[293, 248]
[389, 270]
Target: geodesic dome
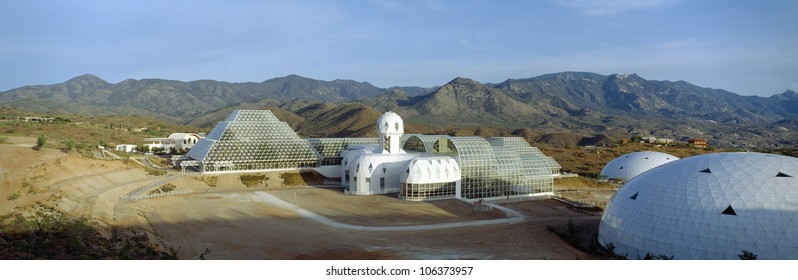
[630, 165]
[710, 206]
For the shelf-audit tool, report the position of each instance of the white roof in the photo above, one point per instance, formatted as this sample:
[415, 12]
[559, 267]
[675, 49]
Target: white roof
[711, 206]
[390, 122]
[630, 165]
[432, 169]
[181, 136]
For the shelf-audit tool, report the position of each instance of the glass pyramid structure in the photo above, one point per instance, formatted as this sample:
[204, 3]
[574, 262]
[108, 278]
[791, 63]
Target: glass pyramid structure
[253, 140]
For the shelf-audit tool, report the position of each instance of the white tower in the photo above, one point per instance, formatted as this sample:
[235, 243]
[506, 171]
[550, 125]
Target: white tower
[390, 128]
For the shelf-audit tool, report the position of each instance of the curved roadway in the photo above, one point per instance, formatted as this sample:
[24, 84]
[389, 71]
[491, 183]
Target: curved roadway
[513, 217]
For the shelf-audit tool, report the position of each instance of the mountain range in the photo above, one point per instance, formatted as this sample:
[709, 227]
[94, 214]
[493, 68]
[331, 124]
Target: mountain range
[587, 104]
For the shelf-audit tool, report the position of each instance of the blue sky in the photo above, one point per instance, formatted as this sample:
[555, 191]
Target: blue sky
[747, 47]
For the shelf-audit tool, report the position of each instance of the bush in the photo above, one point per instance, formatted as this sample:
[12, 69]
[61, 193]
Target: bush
[168, 188]
[252, 180]
[41, 141]
[68, 145]
[154, 172]
[210, 180]
[302, 179]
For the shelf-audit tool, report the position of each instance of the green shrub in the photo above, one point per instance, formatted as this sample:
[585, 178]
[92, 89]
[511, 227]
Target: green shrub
[252, 180]
[41, 141]
[209, 180]
[154, 172]
[168, 187]
[302, 179]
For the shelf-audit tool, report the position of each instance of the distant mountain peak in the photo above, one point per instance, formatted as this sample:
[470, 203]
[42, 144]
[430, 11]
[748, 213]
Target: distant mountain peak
[87, 79]
[461, 80]
[625, 77]
[787, 95]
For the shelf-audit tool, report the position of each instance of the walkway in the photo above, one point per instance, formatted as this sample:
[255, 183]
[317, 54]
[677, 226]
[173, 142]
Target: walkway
[513, 217]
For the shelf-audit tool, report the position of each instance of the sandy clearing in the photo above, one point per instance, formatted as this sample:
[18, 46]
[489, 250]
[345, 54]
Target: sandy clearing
[242, 226]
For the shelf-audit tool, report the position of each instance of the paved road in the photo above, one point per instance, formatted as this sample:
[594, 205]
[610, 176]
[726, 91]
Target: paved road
[513, 217]
[112, 154]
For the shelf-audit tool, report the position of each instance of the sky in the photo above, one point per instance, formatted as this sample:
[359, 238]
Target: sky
[746, 47]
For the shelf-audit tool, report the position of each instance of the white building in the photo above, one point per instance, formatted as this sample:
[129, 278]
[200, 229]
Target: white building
[386, 167]
[630, 165]
[127, 148]
[176, 142]
[710, 206]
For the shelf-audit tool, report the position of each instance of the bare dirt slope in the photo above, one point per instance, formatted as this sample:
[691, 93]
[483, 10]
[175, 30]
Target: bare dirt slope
[68, 181]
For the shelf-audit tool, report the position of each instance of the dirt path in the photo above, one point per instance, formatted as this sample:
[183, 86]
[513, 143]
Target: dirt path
[513, 217]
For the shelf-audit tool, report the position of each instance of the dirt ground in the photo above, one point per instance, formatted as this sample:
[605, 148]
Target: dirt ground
[237, 225]
[577, 191]
[230, 220]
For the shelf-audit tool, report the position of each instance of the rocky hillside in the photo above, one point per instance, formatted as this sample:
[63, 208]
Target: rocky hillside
[585, 104]
[174, 100]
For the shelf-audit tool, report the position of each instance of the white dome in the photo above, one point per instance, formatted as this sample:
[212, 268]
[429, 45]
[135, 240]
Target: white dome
[711, 206]
[390, 123]
[630, 165]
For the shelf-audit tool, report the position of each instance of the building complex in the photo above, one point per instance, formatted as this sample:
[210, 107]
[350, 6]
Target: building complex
[416, 166]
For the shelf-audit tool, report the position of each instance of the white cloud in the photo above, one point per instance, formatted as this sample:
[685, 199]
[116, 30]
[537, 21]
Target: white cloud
[611, 7]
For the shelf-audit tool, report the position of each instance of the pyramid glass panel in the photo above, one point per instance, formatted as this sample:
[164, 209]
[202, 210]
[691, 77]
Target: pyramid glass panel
[253, 140]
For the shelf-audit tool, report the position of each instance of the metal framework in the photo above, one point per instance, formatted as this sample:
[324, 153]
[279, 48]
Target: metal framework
[419, 143]
[532, 156]
[330, 148]
[496, 171]
[253, 140]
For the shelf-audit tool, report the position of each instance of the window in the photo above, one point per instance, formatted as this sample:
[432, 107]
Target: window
[729, 211]
[634, 197]
[782, 175]
[382, 183]
[705, 171]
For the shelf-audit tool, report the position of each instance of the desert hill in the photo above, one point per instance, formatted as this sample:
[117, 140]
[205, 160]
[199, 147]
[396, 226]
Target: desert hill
[587, 104]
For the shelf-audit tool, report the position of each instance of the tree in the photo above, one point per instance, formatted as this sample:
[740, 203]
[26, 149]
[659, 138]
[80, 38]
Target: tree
[41, 141]
[745, 255]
